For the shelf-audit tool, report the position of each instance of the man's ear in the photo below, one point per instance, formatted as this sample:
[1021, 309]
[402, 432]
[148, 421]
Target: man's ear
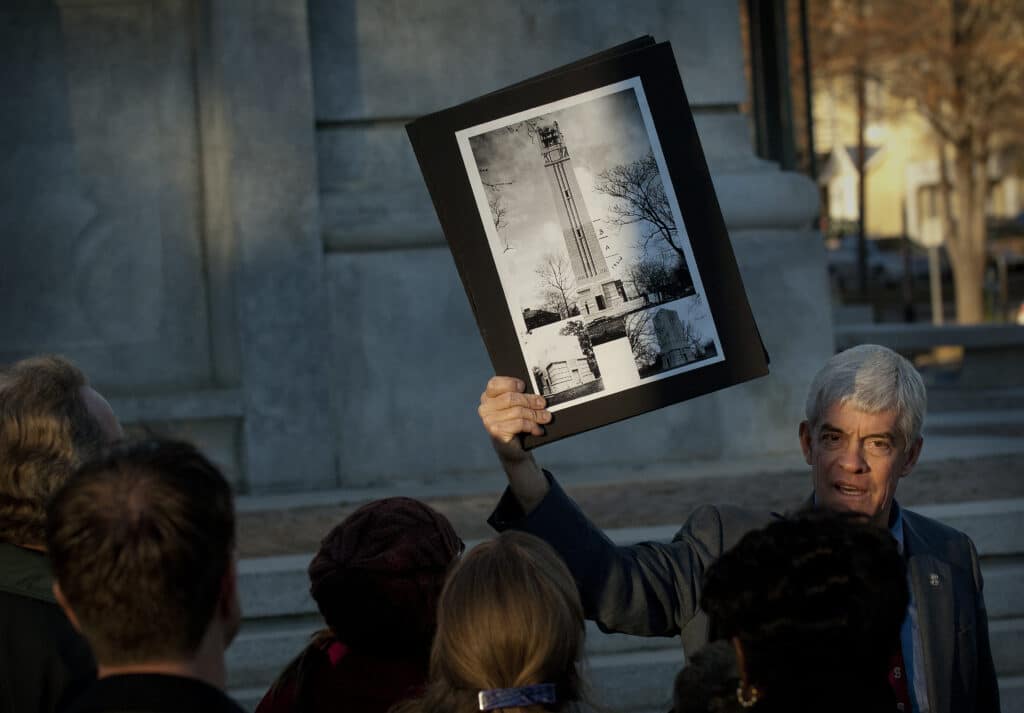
[913, 453]
[63, 602]
[805, 440]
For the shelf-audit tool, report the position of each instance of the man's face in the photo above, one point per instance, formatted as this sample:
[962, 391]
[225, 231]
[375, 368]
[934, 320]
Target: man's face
[856, 459]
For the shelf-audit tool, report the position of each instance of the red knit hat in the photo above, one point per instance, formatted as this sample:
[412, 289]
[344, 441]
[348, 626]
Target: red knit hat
[378, 575]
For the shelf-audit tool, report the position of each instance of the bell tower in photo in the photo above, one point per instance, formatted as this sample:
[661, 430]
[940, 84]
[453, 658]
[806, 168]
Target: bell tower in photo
[588, 264]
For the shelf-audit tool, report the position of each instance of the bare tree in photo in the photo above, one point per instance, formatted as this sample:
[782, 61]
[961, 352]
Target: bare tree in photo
[657, 279]
[642, 340]
[641, 192]
[498, 209]
[495, 201]
[555, 273]
[556, 303]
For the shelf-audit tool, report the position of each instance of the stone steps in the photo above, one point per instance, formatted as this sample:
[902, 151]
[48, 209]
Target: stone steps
[628, 673]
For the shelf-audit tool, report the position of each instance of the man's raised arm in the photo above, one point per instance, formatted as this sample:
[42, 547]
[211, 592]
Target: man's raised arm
[507, 412]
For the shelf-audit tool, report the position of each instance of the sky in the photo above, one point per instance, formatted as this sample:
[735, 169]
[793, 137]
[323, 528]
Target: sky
[600, 133]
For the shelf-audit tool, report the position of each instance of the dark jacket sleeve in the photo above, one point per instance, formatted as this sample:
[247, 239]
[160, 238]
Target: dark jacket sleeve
[987, 684]
[647, 589]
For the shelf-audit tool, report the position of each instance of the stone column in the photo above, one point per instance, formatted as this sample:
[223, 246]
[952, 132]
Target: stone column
[262, 221]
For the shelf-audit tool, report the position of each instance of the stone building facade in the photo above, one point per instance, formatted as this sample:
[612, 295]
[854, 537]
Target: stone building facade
[212, 206]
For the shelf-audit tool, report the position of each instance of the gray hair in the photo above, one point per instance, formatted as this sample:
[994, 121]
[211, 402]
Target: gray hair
[872, 379]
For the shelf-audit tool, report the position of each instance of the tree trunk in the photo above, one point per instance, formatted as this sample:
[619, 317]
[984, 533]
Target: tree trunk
[967, 244]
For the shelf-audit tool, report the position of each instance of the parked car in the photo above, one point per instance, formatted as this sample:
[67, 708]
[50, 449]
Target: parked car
[884, 267]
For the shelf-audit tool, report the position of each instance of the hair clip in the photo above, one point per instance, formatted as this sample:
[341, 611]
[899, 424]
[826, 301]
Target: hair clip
[517, 697]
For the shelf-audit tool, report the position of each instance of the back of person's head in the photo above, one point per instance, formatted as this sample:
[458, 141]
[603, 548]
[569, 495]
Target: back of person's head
[46, 431]
[816, 603]
[872, 379]
[708, 681]
[510, 617]
[376, 579]
[378, 576]
[142, 545]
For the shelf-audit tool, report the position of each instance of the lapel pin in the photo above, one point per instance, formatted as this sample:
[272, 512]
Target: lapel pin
[933, 579]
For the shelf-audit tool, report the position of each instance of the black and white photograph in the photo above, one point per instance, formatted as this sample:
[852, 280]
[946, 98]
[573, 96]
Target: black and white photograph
[675, 336]
[585, 230]
[584, 226]
[564, 365]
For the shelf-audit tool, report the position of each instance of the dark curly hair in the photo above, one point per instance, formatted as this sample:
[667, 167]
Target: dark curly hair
[816, 602]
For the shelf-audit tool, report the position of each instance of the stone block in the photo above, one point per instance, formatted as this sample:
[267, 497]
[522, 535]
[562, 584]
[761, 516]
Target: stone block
[98, 176]
[635, 681]
[409, 367]
[1007, 639]
[275, 587]
[263, 648]
[1004, 587]
[995, 526]
[1011, 693]
[403, 59]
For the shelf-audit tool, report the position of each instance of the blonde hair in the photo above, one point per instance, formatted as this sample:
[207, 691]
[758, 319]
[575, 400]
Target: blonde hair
[509, 616]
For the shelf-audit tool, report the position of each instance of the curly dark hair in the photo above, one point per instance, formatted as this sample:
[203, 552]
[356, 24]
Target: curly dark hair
[816, 602]
[708, 681]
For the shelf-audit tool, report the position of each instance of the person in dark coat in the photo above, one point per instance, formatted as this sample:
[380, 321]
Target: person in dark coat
[376, 579]
[861, 435]
[50, 421]
[142, 542]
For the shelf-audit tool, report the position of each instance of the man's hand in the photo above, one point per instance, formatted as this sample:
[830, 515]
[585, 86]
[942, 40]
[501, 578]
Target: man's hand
[506, 412]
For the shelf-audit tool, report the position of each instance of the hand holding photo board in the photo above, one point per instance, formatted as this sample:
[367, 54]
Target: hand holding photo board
[585, 229]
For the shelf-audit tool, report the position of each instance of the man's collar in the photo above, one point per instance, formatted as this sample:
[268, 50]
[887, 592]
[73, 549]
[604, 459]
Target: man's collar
[25, 573]
[896, 525]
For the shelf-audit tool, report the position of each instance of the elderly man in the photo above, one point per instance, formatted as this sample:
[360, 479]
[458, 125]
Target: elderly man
[142, 545]
[862, 434]
[50, 420]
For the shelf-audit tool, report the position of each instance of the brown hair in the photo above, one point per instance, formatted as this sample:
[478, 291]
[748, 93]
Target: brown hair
[46, 431]
[509, 616]
[140, 541]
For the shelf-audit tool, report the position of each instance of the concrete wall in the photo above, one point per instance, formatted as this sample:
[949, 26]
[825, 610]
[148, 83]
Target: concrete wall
[204, 200]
